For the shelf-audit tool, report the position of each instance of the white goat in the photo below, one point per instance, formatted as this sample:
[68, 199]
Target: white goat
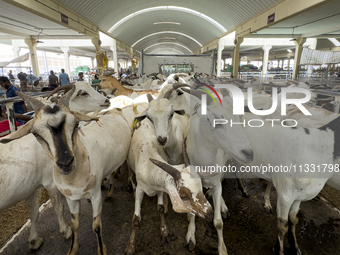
[169, 126]
[24, 168]
[84, 99]
[299, 147]
[207, 146]
[22, 165]
[80, 161]
[183, 187]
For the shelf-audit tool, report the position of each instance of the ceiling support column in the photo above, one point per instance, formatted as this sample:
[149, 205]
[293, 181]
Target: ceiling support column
[298, 51]
[92, 63]
[32, 43]
[266, 49]
[115, 56]
[219, 56]
[66, 50]
[97, 42]
[236, 58]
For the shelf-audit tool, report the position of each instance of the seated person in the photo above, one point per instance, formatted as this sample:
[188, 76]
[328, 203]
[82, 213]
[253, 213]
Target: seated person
[18, 107]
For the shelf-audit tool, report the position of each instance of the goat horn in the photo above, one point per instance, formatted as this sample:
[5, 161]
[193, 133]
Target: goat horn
[292, 81]
[174, 87]
[67, 88]
[167, 168]
[185, 154]
[35, 103]
[150, 98]
[66, 97]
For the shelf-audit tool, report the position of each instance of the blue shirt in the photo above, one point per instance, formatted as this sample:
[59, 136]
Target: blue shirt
[63, 78]
[31, 78]
[10, 92]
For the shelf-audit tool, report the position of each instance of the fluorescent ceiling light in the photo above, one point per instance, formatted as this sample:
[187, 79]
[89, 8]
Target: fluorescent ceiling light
[168, 32]
[168, 43]
[167, 38]
[334, 41]
[172, 8]
[289, 50]
[167, 22]
[170, 49]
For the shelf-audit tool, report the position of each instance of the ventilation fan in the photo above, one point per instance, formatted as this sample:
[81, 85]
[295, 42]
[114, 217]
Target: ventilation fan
[38, 41]
[294, 39]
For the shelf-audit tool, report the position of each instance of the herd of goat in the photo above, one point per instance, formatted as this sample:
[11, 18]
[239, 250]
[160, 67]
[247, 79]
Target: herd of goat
[157, 126]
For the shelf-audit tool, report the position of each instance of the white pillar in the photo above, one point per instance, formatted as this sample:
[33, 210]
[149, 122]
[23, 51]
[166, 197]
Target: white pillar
[66, 50]
[236, 59]
[219, 56]
[115, 55]
[298, 51]
[97, 42]
[312, 47]
[32, 43]
[92, 62]
[266, 49]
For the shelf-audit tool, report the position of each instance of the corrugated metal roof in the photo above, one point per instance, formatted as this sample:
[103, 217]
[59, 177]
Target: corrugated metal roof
[227, 13]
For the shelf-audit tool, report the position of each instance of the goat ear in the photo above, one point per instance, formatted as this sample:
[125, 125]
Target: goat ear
[76, 94]
[140, 117]
[83, 117]
[180, 112]
[25, 130]
[177, 203]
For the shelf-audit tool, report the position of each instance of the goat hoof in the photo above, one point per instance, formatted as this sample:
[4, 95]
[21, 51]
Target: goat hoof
[36, 244]
[225, 214]
[191, 245]
[245, 195]
[269, 210]
[165, 238]
[107, 198]
[129, 251]
[68, 235]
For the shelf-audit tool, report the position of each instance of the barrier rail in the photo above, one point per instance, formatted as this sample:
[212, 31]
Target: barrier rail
[9, 107]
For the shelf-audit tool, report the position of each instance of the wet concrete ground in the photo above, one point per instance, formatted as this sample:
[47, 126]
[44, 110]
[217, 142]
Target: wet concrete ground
[248, 229]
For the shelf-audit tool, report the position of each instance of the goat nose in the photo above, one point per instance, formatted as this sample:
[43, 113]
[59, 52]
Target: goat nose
[107, 101]
[249, 154]
[162, 140]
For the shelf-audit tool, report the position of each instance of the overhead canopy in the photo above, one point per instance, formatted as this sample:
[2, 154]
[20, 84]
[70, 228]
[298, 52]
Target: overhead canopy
[129, 21]
[20, 59]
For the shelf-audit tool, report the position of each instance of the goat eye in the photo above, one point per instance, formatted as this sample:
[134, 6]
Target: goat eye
[84, 94]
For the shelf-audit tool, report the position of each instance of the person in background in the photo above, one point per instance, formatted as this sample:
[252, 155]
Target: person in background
[81, 76]
[18, 107]
[63, 78]
[96, 79]
[11, 77]
[33, 80]
[52, 80]
[23, 79]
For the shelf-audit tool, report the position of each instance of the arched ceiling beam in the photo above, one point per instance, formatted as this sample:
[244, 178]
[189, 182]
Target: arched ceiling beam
[168, 32]
[168, 43]
[170, 8]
